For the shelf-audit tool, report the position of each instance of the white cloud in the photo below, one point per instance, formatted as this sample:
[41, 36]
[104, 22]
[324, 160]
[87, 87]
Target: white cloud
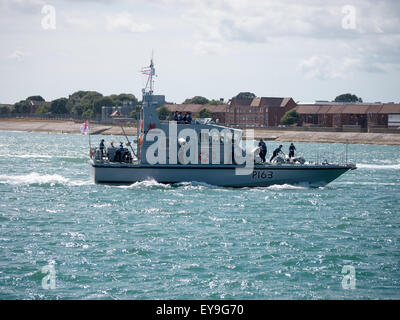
[17, 55]
[328, 67]
[125, 22]
[207, 47]
[79, 22]
[26, 6]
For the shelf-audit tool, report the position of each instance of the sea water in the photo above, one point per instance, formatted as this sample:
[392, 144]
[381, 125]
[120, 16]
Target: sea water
[64, 237]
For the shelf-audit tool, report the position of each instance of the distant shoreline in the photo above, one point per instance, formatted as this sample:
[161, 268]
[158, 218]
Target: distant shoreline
[58, 126]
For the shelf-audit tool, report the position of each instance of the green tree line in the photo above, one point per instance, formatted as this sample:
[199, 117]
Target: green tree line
[81, 103]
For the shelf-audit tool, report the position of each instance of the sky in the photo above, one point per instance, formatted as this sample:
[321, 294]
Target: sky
[308, 50]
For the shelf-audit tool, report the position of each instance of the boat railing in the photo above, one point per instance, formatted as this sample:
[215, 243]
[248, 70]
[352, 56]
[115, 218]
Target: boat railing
[110, 155]
[324, 158]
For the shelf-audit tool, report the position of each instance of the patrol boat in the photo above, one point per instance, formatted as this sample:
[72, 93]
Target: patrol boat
[200, 151]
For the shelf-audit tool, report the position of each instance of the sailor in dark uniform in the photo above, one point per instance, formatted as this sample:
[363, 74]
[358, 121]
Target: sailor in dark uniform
[292, 148]
[276, 152]
[263, 150]
[188, 118]
[119, 152]
[101, 147]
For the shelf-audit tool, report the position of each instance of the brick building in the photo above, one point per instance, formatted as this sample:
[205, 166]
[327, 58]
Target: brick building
[338, 115]
[258, 112]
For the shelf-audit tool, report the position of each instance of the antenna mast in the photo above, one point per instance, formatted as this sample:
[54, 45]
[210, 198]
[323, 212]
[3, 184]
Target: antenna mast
[151, 72]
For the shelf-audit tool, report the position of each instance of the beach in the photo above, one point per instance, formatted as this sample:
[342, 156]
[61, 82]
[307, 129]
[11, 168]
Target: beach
[56, 126]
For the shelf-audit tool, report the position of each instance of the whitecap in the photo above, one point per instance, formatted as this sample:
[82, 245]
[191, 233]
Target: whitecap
[196, 185]
[378, 166]
[145, 184]
[36, 178]
[25, 156]
[369, 183]
[288, 186]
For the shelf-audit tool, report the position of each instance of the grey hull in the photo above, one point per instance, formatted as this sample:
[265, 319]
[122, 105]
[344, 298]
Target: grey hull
[219, 175]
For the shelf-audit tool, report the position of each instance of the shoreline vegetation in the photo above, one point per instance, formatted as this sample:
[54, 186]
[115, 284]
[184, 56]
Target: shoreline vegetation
[71, 127]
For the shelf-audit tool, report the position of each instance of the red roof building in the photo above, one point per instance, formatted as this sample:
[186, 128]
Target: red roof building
[362, 115]
[260, 112]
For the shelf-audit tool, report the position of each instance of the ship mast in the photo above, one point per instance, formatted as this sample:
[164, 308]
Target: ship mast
[147, 93]
[151, 72]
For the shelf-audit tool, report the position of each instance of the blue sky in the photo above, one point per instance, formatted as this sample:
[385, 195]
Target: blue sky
[309, 50]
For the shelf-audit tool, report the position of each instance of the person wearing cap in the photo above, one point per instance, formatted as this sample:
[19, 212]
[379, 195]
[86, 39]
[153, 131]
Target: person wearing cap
[276, 152]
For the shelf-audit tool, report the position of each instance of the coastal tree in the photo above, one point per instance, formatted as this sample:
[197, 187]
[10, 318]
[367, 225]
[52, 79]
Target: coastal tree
[348, 97]
[82, 101]
[118, 99]
[245, 95]
[196, 100]
[44, 108]
[59, 106]
[290, 117]
[5, 110]
[215, 102]
[36, 98]
[24, 106]
[205, 113]
[163, 112]
[100, 102]
[88, 114]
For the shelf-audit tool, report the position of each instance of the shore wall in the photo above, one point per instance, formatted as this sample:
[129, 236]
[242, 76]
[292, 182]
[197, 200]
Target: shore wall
[267, 134]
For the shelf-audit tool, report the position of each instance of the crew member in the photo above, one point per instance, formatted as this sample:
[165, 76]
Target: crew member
[276, 152]
[263, 150]
[119, 152]
[292, 148]
[101, 147]
[180, 117]
[188, 118]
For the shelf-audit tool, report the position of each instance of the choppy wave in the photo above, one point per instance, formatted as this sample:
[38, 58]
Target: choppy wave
[40, 179]
[196, 184]
[44, 156]
[151, 183]
[25, 156]
[288, 186]
[370, 183]
[378, 166]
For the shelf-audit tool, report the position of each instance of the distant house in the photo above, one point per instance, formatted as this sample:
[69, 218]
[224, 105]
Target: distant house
[263, 111]
[339, 115]
[218, 111]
